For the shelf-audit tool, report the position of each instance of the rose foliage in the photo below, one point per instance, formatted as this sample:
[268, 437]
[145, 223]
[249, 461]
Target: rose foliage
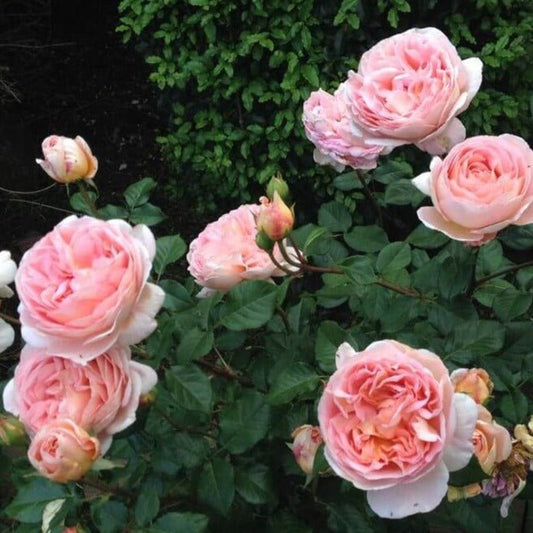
[367, 367]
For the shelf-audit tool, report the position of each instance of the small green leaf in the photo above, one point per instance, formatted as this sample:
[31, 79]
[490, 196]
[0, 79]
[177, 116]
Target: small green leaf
[109, 516]
[295, 380]
[168, 250]
[79, 203]
[514, 407]
[394, 256]
[194, 344]
[138, 193]
[148, 214]
[255, 484]
[334, 216]
[328, 339]
[146, 507]
[367, 239]
[403, 192]
[180, 522]
[392, 171]
[110, 212]
[216, 485]
[423, 237]
[511, 303]
[190, 388]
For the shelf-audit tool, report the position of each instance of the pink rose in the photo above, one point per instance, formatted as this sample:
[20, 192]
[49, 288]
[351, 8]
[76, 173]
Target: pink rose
[475, 382]
[492, 442]
[62, 451]
[67, 160]
[225, 253]
[100, 396]
[328, 126]
[483, 185]
[83, 287]
[409, 88]
[307, 440]
[393, 426]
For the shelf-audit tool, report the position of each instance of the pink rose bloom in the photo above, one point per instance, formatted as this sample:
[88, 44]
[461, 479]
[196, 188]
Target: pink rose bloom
[100, 396]
[492, 442]
[483, 185]
[83, 287]
[328, 126]
[307, 440]
[225, 253]
[393, 426]
[62, 451]
[409, 88]
[67, 160]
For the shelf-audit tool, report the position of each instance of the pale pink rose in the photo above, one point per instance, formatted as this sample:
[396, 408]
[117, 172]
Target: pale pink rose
[483, 185]
[393, 426]
[328, 126]
[225, 253]
[492, 442]
[475, 382]
[409, 88]
[62, 451]
[83, 287]
[306, 441]
[100, 396]
[67, 160]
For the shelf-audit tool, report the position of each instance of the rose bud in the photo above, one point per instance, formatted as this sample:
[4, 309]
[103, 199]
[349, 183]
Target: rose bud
[275, 218]
[63, 451]
[307, 440]
[279, 185]
[475, 382]
[67, 160]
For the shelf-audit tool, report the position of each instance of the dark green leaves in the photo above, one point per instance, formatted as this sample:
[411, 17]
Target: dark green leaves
[168, 250]
[216, 485]
[190, 388]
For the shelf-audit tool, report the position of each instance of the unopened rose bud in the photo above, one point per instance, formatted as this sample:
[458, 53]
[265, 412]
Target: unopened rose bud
[62, 451]
[307, 440]
[279, 185]
[12, 431]
[463, 493]
[475, 382]
[276, 219]
[67, 160]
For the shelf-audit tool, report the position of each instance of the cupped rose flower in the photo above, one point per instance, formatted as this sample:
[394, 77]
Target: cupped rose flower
[483, 185]
[67, 160]
[306, 441]
[62, 451]
[409, 88]
[475, 382]
[83, 287]
[100, 396]
[225, 252]
[328, 126]
[492, 442]
[393, 426]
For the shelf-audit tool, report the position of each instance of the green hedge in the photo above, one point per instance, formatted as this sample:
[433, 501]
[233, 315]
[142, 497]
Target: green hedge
[234, 75]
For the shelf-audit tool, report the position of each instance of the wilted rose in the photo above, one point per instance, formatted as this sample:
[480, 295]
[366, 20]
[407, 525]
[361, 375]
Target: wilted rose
[67, 160]
[475, 382]
[306, 441]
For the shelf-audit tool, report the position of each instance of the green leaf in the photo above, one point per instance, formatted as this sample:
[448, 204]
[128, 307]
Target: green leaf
[394, 256]
[334, 216]
[347, 182]
[255, 484]
[138, 193]
[180, 522]
[148, 214]
[32, 498]
[146, 507]
[109, 516]
[249, 305]
[245, 422]
[518, 237]
[194, 344]
[514, 407]
[346, 518]
[177, 298]
[392, 171]
[190, 450]
[367, 239]
[328, 339]
[511, 304]
[216, 485]
[359, 269]
[190, 388]
[297, 379]
[472, 339]
[110, 212]
[423, 237]
[403, 192]
[78, 202]
[168, 250]
[310, 73]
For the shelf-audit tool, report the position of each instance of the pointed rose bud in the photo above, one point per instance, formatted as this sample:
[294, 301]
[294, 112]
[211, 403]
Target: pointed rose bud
[475, 382]
[279, 185]
[67, 160]
[275, 218]
[307, 440]
[12, 431]
[62, 451]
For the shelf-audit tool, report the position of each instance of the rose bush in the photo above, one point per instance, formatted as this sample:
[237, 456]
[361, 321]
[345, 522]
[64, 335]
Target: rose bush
[100, 396]
[393, 426]
[83, 287]
[482, 186]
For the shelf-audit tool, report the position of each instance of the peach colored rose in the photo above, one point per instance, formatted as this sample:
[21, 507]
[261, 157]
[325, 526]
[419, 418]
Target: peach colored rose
[100, 396]
[393, 426]
[409, 88]
[306, 441]
[275, 218]
[475, 382]
[328, 126]
[225, 253]
[67, 160]
[83, 287]
[492, 442]
[483, 185]
[62, 451]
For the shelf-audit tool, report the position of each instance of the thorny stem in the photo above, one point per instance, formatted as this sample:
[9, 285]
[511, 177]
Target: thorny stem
[279, 265]
[370, 196]
[11, 319]
[227, 373]
[286, 255]
[507, 270]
